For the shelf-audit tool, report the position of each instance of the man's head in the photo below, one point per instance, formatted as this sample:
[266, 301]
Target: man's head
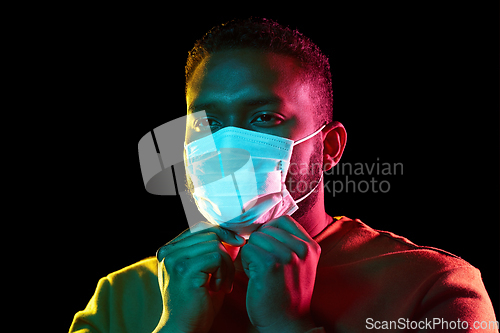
[257, 75]
[268, 36]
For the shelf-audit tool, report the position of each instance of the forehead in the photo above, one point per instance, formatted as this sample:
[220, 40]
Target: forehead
[229, 75]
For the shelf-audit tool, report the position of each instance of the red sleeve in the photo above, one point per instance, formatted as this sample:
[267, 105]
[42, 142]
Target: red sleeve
[457, 300]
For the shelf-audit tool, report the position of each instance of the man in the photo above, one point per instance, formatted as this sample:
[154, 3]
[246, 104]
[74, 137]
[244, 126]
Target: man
[298, 270]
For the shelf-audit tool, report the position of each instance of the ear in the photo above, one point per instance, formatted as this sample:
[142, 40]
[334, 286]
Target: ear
[334, 140]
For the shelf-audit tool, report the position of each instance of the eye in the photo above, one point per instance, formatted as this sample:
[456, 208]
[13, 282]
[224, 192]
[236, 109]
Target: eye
[206, 123]
[267, 119]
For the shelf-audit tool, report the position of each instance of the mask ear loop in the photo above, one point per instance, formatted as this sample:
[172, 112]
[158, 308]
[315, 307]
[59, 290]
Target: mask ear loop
[321, 178]
[309, 136]
[314, 189]
[280, 166]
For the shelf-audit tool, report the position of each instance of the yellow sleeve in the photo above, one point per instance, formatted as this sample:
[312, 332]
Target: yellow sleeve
[95, 317]
[128, 300]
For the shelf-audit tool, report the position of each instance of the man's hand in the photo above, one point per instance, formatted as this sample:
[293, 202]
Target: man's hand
[195, 271]
[280, 260]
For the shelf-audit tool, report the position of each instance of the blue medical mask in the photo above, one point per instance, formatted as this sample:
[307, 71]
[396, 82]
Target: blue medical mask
[238, 177]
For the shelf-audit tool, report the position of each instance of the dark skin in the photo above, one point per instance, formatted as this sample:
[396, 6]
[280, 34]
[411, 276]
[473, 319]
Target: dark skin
[268, 93]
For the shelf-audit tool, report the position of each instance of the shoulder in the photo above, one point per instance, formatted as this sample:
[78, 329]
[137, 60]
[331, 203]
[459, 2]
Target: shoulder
[128, 299]
[143, 269]
[139, 280]
[377, 268]
[347, 240]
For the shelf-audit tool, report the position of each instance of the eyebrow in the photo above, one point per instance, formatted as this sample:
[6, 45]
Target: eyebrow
[246, 102]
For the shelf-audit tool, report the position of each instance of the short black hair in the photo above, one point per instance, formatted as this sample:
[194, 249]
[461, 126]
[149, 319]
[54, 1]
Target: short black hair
[267, 35]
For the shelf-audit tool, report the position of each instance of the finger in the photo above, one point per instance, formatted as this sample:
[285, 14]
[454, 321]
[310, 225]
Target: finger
[191, 240]
[225, 235]
[197, 227]
[271, 245]
[187, 238]
[195, 250]
[295, 244]
[256, 260]
[198, 270]
[223, 276]
[289, 224]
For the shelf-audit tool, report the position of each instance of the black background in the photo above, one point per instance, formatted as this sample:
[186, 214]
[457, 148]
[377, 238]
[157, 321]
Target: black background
[416, 85]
